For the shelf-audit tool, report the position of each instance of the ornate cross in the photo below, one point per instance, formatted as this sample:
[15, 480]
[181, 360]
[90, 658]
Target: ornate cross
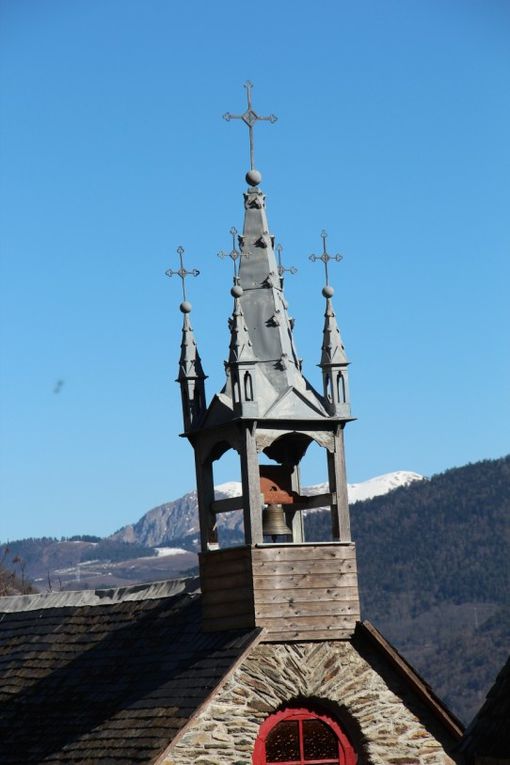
[250, 117]
[325, 257]
[234, 254]
[182, 272]
[281, 268]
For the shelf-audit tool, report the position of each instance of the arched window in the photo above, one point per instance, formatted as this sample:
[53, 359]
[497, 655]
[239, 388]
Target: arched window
[302, 737]
[248, 387]
[341, 388]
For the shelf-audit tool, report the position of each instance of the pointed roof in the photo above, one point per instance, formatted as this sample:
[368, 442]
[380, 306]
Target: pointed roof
[240, 349]
[333, 350]
[190, 364]
[261, 329]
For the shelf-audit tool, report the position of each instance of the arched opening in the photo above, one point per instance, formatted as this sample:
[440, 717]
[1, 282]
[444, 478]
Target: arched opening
[327, 390]
[236, 391]
[248, 387]
[227, 485]
[341, 388]
[302, 737]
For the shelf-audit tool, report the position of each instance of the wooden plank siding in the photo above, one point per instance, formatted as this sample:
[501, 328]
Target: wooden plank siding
[295, 592]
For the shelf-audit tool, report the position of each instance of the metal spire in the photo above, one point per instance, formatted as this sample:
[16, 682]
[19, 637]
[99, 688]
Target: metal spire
[183, 274]
[325, 257]
[333, 361]
[234, 254]
[281, 268]
[250, 117]
[191, 375]
[240, 348]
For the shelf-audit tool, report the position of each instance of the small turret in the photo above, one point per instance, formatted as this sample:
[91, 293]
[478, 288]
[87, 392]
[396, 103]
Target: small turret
[191, 377]
[241, 366]
[334, 361]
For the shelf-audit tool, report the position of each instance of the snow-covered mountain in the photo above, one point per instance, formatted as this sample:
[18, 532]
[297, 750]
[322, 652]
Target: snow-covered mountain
[178, 520]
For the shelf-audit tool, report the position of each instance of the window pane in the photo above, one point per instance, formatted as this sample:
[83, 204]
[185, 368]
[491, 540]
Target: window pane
[282, 743]
[320, 741]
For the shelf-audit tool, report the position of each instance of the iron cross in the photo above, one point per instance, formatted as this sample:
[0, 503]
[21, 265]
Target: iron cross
[234, 254]
[281, 268]
[182, 272]
[250, 117]
[325, 257]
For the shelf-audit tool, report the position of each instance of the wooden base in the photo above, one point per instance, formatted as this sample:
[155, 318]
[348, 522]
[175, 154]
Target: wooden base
[294, 591]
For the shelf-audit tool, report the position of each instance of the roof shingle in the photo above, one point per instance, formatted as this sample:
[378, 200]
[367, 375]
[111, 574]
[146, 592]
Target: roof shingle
[105, 683]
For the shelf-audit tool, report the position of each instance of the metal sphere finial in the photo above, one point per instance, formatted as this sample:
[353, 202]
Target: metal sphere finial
[253, 177]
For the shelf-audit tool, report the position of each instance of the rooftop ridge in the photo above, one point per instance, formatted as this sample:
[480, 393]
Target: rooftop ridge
[79, 598]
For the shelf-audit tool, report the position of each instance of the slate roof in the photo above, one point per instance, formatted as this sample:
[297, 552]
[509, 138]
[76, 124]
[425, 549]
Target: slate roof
[488, 735]
[107, 676]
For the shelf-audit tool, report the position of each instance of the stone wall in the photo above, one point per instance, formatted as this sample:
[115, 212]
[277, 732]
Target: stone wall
[384, 730]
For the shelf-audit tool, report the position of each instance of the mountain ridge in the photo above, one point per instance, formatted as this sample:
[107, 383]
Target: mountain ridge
[175, 521]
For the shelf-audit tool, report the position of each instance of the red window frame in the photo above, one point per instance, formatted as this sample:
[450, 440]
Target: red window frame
[346, 753]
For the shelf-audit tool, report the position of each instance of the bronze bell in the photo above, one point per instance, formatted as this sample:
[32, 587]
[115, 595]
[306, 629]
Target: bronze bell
[274, 523]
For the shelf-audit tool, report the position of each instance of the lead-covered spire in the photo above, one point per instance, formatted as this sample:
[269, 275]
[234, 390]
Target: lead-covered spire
[190, 377]
[264, 377]
[240, 349]
[334, 360]
[241, 365]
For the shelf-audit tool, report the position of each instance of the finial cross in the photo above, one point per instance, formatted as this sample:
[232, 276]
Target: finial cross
[281, 267]
[250, 117]
[325, 257]
[182, 272]
[234, 254]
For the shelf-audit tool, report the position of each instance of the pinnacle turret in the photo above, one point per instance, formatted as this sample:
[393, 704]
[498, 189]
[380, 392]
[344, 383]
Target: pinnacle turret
[240, 349]
[191, 375]
[334, 360]
[241, 371]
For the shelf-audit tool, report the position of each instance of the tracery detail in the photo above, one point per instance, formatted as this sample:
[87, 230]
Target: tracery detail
[302, 737]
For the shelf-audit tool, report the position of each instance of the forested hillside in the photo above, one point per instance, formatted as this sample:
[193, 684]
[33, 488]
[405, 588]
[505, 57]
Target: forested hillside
[434, 566]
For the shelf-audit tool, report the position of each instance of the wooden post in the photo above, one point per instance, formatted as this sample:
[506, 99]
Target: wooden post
[298, 534]
[340, 524]
[205, 496]
[250, 478]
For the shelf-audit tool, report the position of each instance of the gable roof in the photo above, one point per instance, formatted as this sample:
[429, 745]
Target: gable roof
[488, 735]
[367, 636]
[106, 676]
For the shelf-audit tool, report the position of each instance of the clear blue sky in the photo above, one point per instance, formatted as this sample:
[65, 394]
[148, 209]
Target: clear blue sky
[393, 133]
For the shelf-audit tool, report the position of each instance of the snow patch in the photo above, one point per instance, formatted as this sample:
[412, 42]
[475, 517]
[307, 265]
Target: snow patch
[231, 488]
[381, 484]
[374, 487]
[164, 551]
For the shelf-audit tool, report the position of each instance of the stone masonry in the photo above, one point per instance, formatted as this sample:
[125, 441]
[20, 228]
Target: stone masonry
[382, 726]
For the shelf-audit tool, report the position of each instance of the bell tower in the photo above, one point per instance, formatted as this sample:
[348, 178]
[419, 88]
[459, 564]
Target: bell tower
[294, 588]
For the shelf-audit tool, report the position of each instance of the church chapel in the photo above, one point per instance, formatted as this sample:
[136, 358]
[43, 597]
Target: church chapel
[265, 659]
